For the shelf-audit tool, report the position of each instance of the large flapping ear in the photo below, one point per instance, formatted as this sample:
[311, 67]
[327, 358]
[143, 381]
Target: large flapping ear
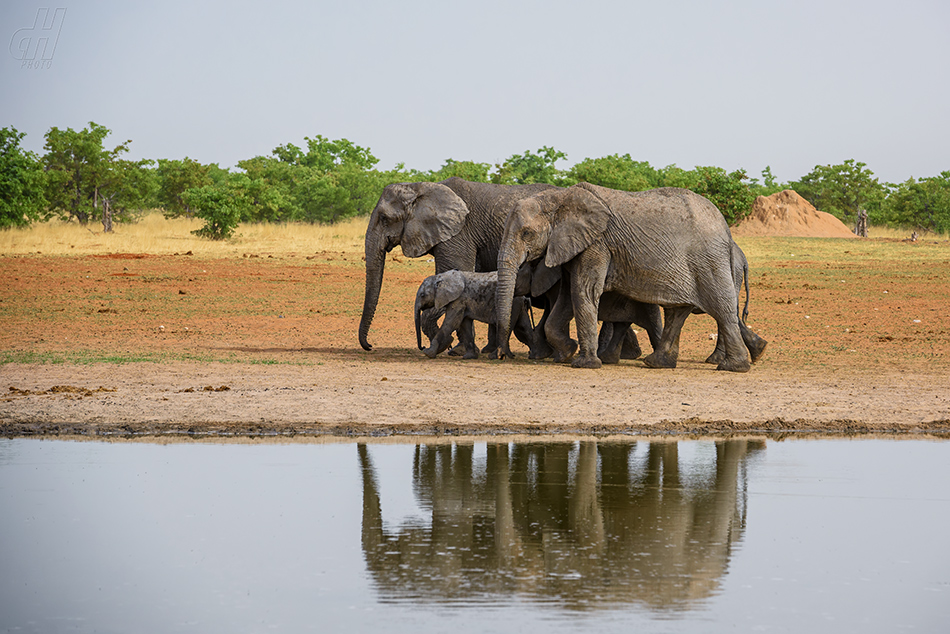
[448, 288]
[578, 222]
[435, 215]
[543, 278]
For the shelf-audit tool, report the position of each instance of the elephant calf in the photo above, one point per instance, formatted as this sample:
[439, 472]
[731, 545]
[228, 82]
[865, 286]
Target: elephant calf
[465, 297]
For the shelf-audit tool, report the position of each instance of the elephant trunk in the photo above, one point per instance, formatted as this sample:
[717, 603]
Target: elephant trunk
[375, 263]
[504, 297]
[417, 313]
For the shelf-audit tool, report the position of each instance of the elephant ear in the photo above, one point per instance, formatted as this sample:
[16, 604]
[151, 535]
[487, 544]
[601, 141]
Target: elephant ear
[543, 278]
[435, 215]
[578, 222]
[448, 288]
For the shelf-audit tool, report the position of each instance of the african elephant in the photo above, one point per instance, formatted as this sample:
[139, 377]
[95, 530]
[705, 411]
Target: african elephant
[465, 296]
[668, 246]
[617, 340]
[617, 310]
[456, 221]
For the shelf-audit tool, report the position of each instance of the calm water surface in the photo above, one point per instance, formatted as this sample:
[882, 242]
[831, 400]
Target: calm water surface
[689, 536]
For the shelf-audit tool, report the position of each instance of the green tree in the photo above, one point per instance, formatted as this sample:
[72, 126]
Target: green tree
[221, 205]
[843, 190]
[270, 189]
[729, 191]
[769, 184]
[923, 204]
[84, 178]
[673, 176]
[122, 188]
[467, 170]
[330, 181]
[325, 155]
[615, 171]
[174, 177]
[22, 182]
[523, 169]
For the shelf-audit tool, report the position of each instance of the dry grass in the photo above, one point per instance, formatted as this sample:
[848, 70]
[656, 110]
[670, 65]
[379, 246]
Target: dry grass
[156, 235]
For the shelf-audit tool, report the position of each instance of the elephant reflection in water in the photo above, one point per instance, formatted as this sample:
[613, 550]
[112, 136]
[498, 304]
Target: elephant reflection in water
[587, 524]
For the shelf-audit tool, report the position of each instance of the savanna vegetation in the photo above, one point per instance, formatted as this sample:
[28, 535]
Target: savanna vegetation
[82, 177]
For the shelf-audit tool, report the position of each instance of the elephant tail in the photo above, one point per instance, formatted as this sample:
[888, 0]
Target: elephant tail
[745, 277]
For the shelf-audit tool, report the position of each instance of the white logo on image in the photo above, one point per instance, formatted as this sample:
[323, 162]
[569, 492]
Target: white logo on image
[35, 45]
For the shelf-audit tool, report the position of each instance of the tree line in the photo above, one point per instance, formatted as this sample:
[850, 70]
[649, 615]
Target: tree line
[79, 178]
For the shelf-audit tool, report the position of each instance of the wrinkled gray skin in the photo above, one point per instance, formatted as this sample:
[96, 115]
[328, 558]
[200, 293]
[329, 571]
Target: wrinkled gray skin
[669, 247]
[616, 311]
[466, 296]
[458, 222]
[617, 340]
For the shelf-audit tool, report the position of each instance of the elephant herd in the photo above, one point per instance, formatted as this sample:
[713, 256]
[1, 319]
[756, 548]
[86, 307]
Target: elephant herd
[583, 253]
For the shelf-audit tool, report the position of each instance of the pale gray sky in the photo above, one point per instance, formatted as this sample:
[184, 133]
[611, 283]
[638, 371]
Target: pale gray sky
[740, 84]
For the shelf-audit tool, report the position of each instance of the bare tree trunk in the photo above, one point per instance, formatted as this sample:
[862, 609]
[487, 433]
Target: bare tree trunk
[861, 228]
[106, 216]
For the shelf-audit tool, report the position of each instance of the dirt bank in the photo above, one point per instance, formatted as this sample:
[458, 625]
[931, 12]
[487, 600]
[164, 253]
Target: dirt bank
[131, 344]
[356, 397]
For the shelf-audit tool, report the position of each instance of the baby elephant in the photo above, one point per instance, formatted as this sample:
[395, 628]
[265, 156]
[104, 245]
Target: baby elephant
[466, 296]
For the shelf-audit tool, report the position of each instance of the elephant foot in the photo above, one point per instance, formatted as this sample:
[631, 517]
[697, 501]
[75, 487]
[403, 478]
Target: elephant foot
[563, 356]
[471, 354]
[610, 358]
[630, 349]
[656, 360]
[457, 351]
[431, 352]
[717, 357]
[734, 365]
[493, 354]
[591, 362]
[541, 351]
[757, 349]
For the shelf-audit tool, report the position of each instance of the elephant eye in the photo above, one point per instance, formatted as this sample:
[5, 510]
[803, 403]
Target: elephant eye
[528, 234]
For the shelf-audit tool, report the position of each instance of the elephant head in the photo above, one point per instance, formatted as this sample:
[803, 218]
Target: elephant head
[417, 216]
[556, 225]
[436, 291]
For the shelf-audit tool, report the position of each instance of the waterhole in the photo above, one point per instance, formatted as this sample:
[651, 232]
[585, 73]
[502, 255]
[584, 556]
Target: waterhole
[475, 536]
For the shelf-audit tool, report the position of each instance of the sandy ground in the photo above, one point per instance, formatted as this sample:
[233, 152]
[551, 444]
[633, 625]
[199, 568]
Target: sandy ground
[448, 396]
[275, 343]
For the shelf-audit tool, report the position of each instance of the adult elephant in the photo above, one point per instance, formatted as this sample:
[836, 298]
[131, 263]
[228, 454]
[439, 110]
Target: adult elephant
[458, 222]
[668, 246]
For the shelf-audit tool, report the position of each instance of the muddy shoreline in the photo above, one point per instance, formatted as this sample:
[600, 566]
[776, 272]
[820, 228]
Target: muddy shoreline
[449, 397]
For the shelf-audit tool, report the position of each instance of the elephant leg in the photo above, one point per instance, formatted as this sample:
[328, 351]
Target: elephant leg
[541, 349]
[730, 333]
[466, 334]
[630, 345]
[460, 350]
[430, 322]
[754, 343]
[557, 328]
[613, 336]
[604, 338]
[522, 325]
[719, 354]
[667, 351]
[443, 338]
[585, 296]
[492, 345]
[648, 317]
